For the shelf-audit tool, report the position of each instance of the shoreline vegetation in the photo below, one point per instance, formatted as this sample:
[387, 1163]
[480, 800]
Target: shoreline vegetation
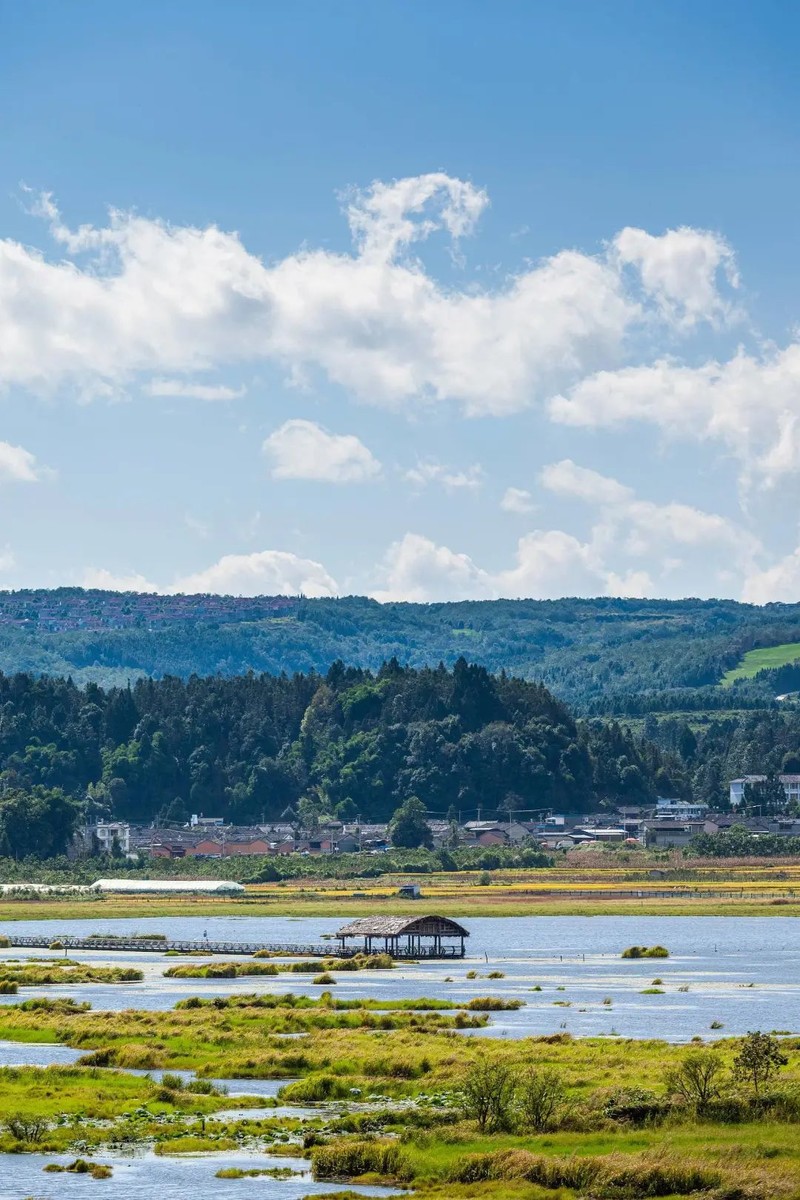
[417, 1106]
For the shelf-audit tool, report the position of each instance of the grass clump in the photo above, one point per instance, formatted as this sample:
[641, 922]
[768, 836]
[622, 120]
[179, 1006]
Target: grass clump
[351, 1159]
[607, 1176]
[62, 971]
[81, 1166]
[256, 1172]
[645, 952]
[493, 1004]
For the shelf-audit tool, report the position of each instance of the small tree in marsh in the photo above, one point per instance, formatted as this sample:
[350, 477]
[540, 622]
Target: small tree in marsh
[698, 1079]
[487, 1096]
[758, 1060]
[540, 1094]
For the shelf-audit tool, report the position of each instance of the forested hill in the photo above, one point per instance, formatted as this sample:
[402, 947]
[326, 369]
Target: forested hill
[348, 743]
[600, 656]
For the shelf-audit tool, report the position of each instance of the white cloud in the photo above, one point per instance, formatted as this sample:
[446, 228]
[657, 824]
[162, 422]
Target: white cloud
[751, 405]
[103, 580]
[681, 270]
[304, 450]
[633, 584]
[192, 391]
[416, 569]
[450, 478]
[19, 466]
[266, 572]
[567, 479]
[381, 221]
[780, 582]
[634, 548]
[547, 564]
[199, 528]
[641, 527]
[517, 500]
[144, 297]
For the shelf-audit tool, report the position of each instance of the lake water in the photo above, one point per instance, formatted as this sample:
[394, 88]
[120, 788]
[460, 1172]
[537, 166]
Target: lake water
[142, 1176]
[743, 972]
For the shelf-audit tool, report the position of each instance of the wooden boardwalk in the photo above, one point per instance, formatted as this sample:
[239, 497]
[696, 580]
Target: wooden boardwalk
[65, 942]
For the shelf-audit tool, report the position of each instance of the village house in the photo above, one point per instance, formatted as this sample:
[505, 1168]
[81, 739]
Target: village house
[657, 832]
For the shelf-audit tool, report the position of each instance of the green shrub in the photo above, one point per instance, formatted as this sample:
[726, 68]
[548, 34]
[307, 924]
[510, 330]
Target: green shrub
[487, 1095]
[634, 1105]
[539, 1096]
[25, 1128]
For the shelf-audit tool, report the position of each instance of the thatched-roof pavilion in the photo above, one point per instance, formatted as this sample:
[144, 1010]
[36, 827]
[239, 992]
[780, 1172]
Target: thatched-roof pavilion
[408, 937]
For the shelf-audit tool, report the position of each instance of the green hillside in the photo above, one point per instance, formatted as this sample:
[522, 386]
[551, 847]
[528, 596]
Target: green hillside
[599, 655]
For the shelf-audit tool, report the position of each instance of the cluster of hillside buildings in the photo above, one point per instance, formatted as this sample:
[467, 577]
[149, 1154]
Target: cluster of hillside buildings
[671, 823]
[67, 609]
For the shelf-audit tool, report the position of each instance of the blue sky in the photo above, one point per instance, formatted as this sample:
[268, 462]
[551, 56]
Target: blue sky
[417, 301]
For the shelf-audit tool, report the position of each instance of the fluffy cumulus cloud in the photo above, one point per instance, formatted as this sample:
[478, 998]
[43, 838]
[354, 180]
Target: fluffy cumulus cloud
[304, 450]
[452, 479]
[140, 297]
[633, 547]
[680, 271]
[750, 404]
[547, 563]
[18, 465]
[263, 573]
[775, 583]
[115, 581]
[517, 500]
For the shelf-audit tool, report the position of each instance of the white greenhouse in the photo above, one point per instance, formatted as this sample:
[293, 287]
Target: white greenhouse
[169, 887]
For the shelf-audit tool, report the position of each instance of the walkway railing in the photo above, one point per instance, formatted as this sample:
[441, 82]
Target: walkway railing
[289, 950]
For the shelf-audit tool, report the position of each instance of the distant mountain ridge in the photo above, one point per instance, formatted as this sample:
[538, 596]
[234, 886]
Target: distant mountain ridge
[599, 655]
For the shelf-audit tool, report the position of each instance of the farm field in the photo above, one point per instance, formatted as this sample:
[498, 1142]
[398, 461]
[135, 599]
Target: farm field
[675, 888]
[766, 658]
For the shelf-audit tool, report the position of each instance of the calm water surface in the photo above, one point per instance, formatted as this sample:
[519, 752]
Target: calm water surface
[741, 971]
[142, 1176]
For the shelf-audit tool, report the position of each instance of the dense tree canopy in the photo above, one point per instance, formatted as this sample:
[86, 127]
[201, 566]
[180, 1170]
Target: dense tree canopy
[351, 743]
